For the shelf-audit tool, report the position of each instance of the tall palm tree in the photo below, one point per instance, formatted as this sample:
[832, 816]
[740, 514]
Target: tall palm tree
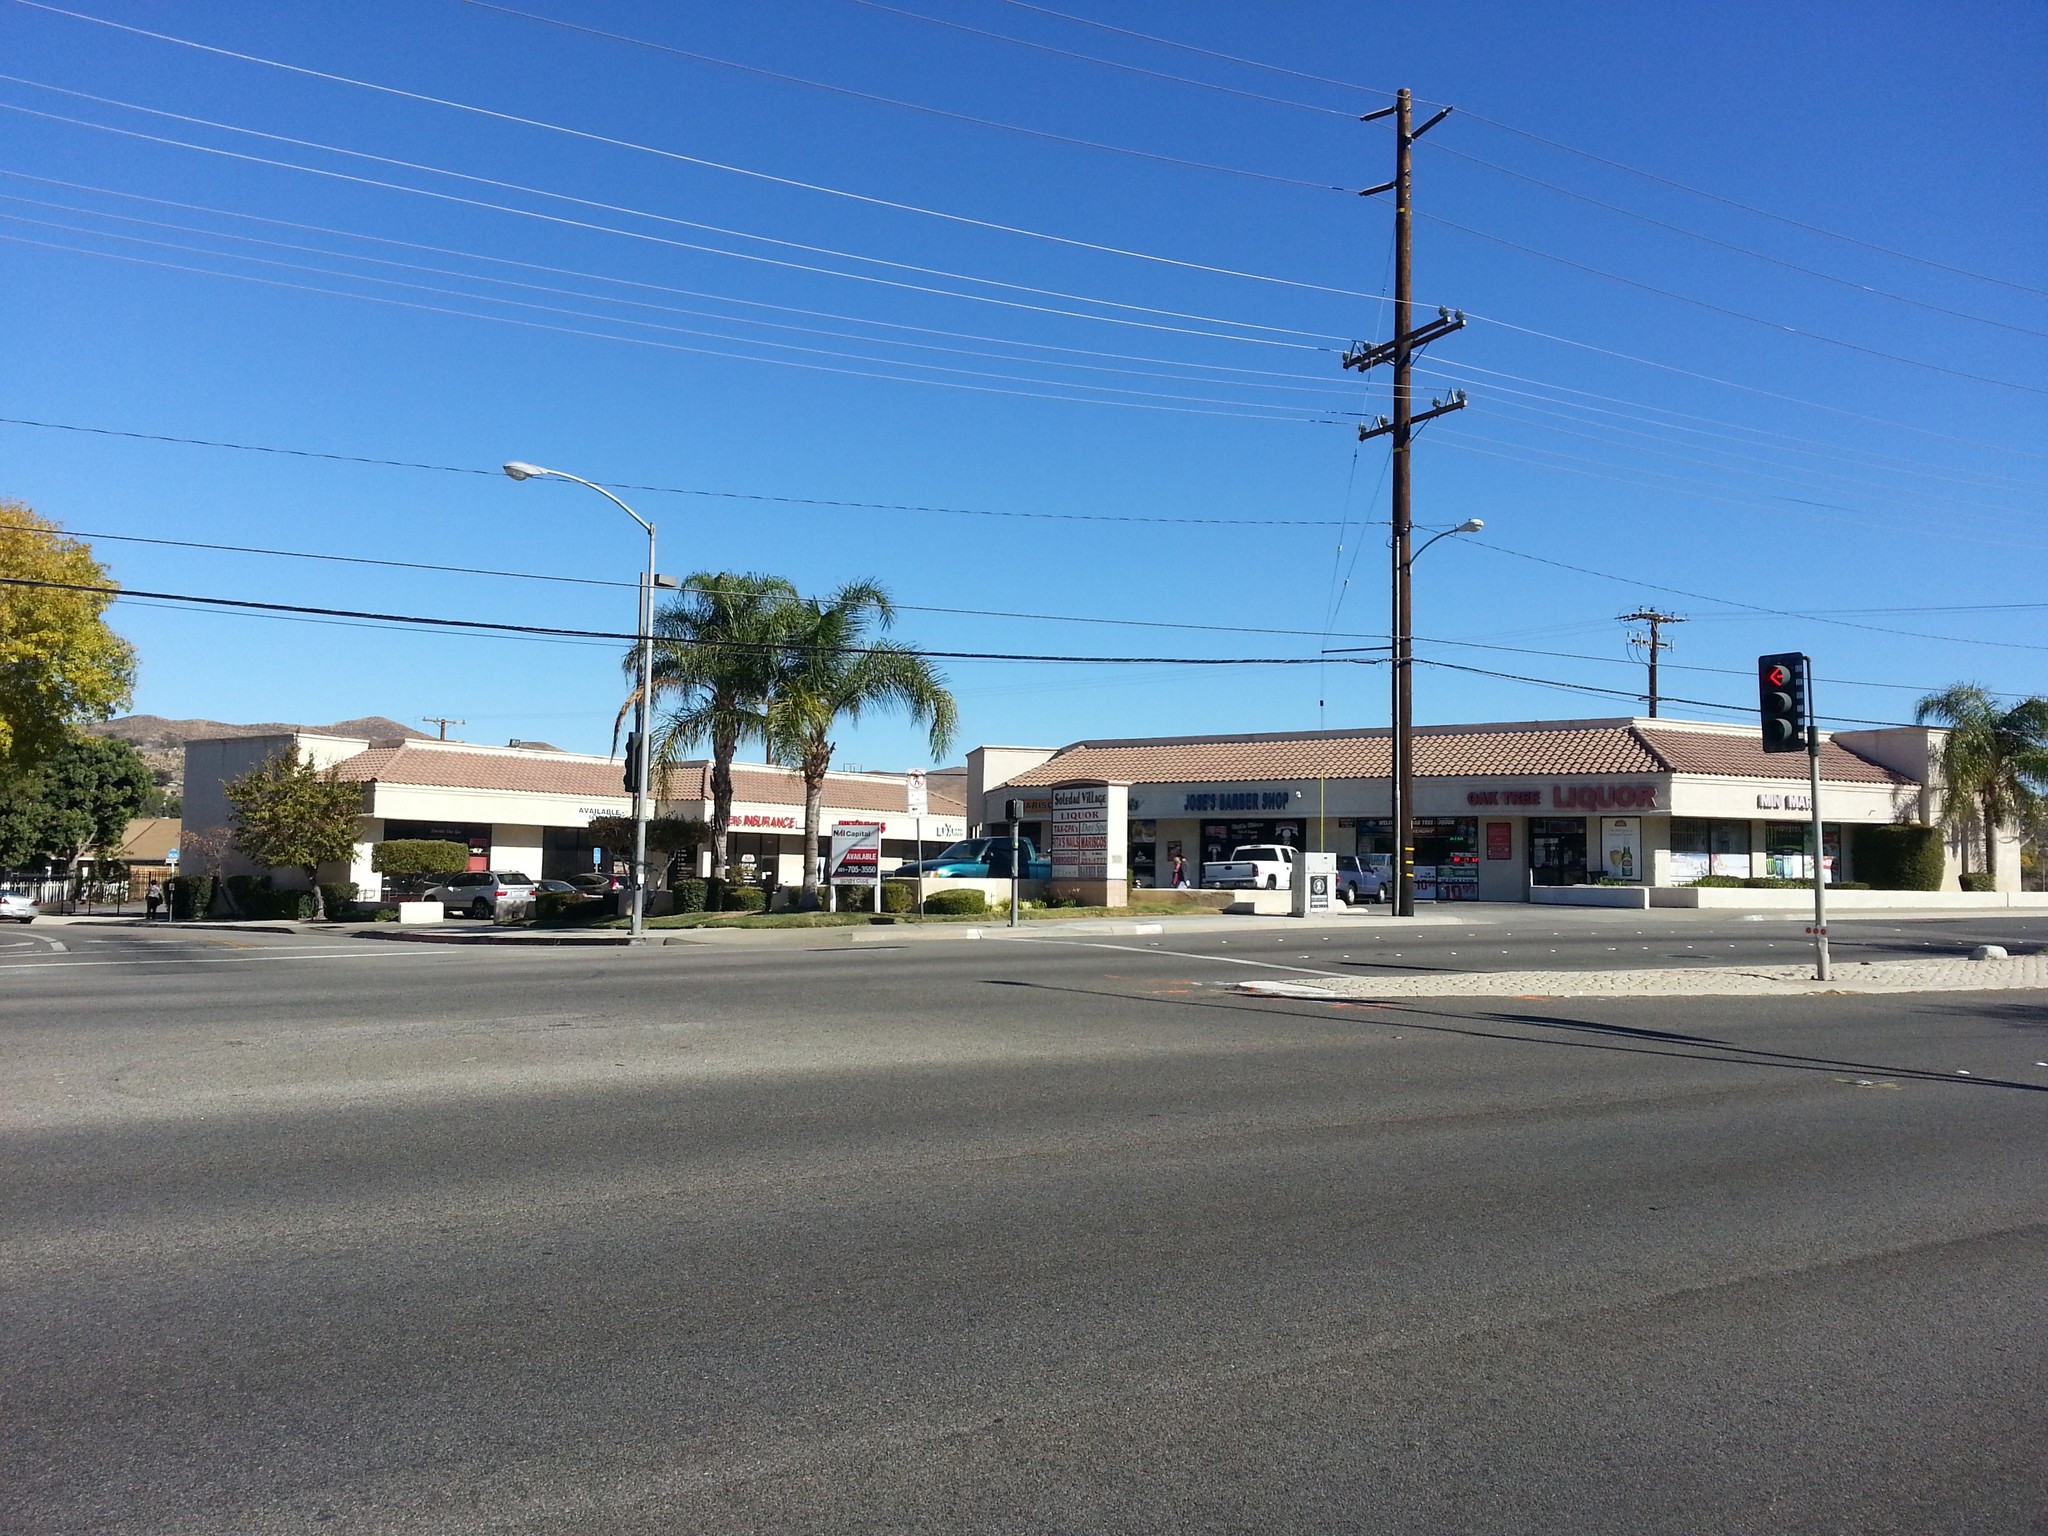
[1995, 763]
[834, 669]
[716, 653]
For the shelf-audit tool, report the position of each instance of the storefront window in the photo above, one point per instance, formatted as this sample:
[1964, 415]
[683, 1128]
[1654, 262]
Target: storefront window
[1221, 838]
[1145, 852]
[1446, 858]
[1701, 847]
[1557, 850]
[1787, 847]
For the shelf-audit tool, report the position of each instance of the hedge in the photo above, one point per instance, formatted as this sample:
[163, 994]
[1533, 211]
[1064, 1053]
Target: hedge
[190, 896]
[1900, 858]
[339, 897]
[1977, 880]
[1772, 883]
[967, 903]
[689, 895]
[570, 907]
[403, 856]
[745, 898]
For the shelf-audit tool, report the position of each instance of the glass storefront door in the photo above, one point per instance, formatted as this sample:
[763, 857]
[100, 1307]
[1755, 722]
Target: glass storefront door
[1557, 850]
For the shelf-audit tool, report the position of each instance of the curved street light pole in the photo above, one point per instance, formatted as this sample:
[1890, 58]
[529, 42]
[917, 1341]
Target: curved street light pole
[641, 708]
[1403, 765]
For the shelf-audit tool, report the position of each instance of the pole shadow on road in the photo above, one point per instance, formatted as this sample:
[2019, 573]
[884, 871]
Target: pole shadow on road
[1622, 1039]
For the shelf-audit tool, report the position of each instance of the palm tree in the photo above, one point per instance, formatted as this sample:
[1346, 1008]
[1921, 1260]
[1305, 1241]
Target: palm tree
[833, 670]
[715, 659]
[1995, 763]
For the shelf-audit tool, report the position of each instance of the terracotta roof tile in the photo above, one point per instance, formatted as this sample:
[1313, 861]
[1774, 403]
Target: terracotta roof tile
[534, 773]
[1616, 748]
[757, 784]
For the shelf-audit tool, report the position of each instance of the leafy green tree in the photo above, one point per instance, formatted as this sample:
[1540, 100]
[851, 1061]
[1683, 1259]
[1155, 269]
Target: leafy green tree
[60, 665]
[79, 800]
[833, 668]
[405, 857]
[715, 662]
[666, 836]
[1994, 762]
[290, 815]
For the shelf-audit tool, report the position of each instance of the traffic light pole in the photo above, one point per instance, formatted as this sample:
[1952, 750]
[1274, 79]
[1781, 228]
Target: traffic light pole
[1820, 885]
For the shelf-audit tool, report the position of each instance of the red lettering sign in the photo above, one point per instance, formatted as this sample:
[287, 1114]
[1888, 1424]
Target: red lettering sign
[1500, 839]
[1603, 797]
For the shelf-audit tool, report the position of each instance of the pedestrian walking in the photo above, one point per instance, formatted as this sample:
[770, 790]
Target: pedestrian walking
[155, 898]
[1180, 873]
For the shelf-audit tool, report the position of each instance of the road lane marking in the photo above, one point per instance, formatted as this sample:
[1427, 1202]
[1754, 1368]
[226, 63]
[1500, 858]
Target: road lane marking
[73, 965]
[1264, 965]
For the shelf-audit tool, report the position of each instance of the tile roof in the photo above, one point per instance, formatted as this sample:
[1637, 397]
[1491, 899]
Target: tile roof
[756, 784]
[1604, 748]
[534, 773]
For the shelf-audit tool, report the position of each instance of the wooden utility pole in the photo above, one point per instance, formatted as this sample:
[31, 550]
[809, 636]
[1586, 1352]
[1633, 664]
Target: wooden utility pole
[442, 721]
[1654, 644]
[1400, 351]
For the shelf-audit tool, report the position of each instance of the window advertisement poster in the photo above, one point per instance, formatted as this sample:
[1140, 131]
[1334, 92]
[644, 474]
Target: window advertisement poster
[1500, 840]
[1621, 847]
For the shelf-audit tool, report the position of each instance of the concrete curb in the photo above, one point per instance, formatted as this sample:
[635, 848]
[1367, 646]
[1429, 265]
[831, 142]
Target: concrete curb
[1863, 978]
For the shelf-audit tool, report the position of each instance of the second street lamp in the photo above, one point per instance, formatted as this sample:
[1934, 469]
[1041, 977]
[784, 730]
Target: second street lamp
[1402, 742]
[643, 706]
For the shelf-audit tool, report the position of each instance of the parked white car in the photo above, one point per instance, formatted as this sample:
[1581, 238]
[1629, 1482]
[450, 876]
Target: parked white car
[17, 908]
[1258, 866]
[479, 891]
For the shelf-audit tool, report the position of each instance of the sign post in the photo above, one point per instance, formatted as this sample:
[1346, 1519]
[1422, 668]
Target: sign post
[1820, 874]
[917, 800]
[857, 855]
[1015, 808]
[170, 907]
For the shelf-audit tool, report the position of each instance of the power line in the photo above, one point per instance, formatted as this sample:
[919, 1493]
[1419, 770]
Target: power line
[1740, 250]
[1733, 314]
[483, 626]
[908, 106]
[1537, 138]
[674, 490]
[700, 161]
[593, 581]
[1270, 340]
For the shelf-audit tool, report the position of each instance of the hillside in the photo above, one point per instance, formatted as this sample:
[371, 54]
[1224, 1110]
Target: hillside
[162, 742]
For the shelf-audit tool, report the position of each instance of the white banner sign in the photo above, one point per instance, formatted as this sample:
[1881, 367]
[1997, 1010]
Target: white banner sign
[856, 850]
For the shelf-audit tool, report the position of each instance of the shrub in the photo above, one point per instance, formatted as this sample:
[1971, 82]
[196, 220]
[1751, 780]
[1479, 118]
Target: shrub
[189, 895]
[566, 907]
[1719, 882]
[339, 897]
[854, 898]
[406, 856]
[745, 898]
[968, 903]
[901, 896]
[1900, 858]
[689, 895]
[1976, 881]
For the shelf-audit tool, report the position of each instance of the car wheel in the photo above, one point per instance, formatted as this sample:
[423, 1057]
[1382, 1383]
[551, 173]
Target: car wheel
[479, 908]
[1344, 894]
[1272, 882]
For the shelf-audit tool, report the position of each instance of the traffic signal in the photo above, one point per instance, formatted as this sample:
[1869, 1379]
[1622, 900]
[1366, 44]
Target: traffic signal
[632, 762]
[1013, 811]
[1781, 701]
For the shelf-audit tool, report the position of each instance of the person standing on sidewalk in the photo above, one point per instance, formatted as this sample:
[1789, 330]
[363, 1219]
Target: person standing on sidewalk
[154, 897]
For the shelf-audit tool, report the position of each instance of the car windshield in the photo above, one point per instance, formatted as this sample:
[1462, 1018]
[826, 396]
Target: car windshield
[514, 880]
[973, 851]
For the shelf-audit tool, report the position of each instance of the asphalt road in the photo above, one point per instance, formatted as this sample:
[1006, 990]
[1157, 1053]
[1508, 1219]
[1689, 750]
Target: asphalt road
[1052, 1235]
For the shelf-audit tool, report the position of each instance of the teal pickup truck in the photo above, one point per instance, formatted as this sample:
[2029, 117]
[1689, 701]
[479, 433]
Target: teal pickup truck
[979, 858]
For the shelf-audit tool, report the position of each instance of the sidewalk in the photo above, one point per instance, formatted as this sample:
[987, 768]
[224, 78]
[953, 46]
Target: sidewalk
[1868, 976]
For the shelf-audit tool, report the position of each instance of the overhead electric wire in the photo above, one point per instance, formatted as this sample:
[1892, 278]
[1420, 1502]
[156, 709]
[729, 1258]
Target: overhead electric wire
[675, 346]
[908, 106]
[660, 218]
[1778, 326]
[595, 581]
[1090, 58]
[1624, 693]
[700, 161]
[676, 490]
[1328, 391]
[1464, 112]
[485, 626]
[1438, 147]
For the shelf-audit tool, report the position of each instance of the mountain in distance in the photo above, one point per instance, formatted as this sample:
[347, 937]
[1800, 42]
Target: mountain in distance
[155, 732]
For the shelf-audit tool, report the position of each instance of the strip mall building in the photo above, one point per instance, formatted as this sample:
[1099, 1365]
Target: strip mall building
[1498, 808]
[528, 808]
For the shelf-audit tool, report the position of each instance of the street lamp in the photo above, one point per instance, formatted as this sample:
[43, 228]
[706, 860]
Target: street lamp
[520, 471]
[1403, 743]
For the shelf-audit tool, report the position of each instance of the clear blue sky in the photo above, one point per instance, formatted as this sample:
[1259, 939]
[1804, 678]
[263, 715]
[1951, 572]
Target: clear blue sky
[1839, 486]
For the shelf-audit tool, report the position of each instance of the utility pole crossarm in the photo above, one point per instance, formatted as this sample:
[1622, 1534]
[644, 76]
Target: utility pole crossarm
[1654, 644]
[1437, 408]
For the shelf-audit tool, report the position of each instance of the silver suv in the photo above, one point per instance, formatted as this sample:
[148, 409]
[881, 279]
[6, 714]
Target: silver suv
[479, 891]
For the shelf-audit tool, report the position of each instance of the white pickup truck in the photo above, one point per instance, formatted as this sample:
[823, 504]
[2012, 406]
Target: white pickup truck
[1261, 866]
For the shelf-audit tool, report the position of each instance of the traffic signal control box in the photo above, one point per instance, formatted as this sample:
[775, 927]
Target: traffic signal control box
[1781, 701]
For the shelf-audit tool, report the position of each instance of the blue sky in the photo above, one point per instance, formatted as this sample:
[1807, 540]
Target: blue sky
[1130, 433]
